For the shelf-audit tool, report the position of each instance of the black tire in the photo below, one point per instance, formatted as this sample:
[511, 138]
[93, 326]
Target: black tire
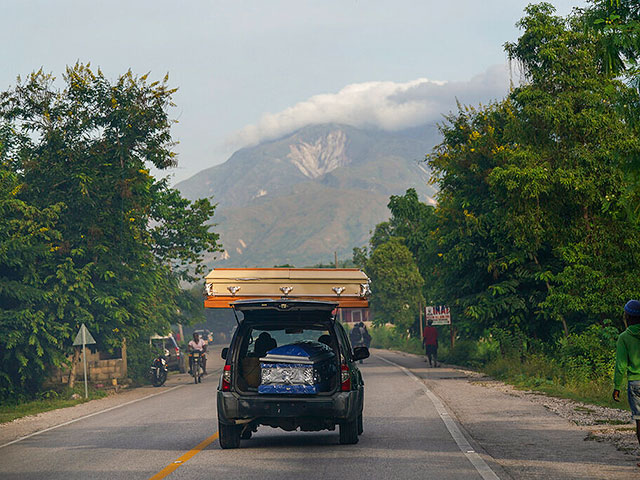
[158, 379]
[360, 424]
[229, 436]
[349, 432]
[196, 372]
[246, 434]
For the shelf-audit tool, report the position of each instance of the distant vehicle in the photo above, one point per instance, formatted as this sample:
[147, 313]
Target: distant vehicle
[205, 334]
[289, 365]
[168, 346]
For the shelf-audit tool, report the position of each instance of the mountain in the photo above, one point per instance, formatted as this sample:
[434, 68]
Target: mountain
[321, 189]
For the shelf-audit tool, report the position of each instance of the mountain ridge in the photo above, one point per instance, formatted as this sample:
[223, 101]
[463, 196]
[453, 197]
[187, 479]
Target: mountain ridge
[321, 189]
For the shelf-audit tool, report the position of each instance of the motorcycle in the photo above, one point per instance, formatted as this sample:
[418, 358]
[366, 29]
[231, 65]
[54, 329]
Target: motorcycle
[196, 366]
[159, 371]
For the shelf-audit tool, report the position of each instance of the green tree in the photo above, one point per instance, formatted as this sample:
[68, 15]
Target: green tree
[573, 149]
[396, 285]
[29, 340]
[617, 24]
[477, 270]
[532, 230]
[125, 238]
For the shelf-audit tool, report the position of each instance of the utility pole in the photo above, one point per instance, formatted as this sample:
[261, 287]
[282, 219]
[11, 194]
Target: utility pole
[335, 257]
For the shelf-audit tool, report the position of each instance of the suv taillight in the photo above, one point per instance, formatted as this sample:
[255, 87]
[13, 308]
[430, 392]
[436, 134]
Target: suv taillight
[177, 352]
[345, 378]
[226, 378]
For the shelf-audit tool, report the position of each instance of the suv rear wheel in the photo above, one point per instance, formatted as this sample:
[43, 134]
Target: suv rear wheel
[349, 432]
[229, 435]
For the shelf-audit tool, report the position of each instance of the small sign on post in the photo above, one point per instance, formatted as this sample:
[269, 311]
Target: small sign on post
[439, 315]
[84, 338]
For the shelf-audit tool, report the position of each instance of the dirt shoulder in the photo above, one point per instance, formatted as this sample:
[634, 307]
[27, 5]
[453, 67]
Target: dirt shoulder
[602, 424]
[531, 435]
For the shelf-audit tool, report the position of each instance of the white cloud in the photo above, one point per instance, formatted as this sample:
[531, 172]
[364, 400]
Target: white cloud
[384, 105]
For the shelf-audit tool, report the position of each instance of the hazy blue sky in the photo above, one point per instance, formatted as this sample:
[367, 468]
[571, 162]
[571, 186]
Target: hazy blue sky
[249, 70]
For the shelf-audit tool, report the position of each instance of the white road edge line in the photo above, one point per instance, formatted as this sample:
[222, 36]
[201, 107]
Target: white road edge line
[87, 416]
[463, 444]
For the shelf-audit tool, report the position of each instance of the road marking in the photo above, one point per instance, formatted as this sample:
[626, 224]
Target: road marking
[88, 416]
[172, 467]
[463, 444]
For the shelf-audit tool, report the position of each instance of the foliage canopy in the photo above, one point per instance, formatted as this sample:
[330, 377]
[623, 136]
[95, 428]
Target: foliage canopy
[88, 234]
[535, 229]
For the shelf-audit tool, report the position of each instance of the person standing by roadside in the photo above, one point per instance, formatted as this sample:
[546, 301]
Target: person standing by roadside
[360, 336]
[430, 340]
[628, 362]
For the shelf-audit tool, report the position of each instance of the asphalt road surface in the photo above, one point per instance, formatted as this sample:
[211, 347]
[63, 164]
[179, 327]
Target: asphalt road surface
[409, 432]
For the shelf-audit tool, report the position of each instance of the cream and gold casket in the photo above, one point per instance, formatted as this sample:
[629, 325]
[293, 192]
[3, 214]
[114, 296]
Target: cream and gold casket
[349, 287]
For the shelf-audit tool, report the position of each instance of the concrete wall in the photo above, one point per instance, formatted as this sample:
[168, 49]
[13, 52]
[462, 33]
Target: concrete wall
[98, 371]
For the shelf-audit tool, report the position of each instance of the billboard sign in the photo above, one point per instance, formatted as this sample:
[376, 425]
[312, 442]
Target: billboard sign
[439, 315]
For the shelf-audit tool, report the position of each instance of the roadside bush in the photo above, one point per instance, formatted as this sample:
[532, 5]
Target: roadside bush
[589, 355]
[60, 396]
[389, 338]
[579, 366]
[139, 359]
[472, 353]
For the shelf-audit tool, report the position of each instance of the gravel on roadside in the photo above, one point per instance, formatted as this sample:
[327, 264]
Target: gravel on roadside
[601, 424]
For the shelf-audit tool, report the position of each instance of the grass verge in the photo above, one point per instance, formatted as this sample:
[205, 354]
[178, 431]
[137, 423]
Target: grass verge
[48, 400]
[536, 372]
[527, 374]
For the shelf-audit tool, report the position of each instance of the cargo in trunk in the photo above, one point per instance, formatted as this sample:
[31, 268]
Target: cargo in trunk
[298, 368]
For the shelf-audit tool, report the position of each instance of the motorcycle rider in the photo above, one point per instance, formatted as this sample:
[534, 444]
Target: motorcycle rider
[198, 344]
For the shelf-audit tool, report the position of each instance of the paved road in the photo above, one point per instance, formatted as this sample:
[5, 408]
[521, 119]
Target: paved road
[410, 426]
[405, 437]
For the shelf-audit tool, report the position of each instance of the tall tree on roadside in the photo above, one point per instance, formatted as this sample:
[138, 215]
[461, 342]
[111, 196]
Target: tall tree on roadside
[125, 239]
[29, 336]
[574, 145]
[532, 226]
[396, 284]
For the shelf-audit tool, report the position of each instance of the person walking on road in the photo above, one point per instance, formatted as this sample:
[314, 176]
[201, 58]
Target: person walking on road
[628, 362]
[430, 340]
[360, 336]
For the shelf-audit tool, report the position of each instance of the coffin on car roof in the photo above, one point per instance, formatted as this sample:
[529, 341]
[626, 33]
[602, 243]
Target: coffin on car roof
[348, 287]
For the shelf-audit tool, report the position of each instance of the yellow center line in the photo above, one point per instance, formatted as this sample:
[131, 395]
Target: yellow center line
[180, 461]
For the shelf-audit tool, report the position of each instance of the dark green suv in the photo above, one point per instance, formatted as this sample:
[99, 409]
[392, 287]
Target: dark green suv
[289, 365]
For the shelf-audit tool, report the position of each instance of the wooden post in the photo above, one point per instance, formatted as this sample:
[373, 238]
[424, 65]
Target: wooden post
[72, 372]
[453, 335]
[123, 355]
[335, 257]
